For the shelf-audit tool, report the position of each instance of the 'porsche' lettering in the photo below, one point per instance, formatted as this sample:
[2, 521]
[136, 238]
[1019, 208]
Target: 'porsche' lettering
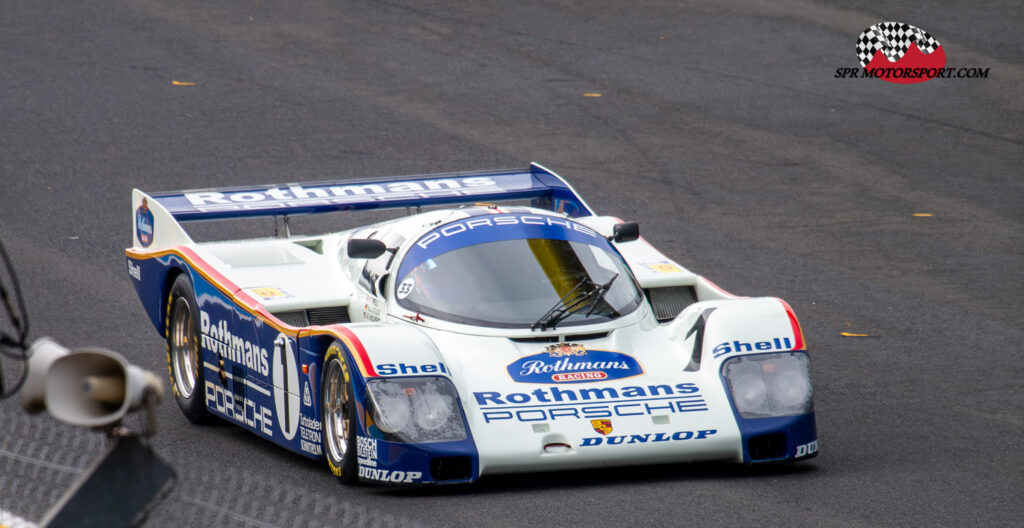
[469, 225]
[239, 409]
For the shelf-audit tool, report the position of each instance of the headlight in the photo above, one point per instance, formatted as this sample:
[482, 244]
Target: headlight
[767, 385]
[392, 407]
[415, 409]
[432, 410]
[750, 393]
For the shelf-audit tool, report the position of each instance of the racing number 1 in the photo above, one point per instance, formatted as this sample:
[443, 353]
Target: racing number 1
[281, 350]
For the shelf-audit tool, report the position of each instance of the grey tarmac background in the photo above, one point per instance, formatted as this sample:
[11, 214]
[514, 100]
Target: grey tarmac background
[720, 128]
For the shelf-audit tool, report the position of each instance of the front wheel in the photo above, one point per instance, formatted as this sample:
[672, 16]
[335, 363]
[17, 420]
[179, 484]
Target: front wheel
[338, 414]
[183, 356]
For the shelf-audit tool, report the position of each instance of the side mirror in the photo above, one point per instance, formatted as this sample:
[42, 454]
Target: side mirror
[365, 248]
[626, 232]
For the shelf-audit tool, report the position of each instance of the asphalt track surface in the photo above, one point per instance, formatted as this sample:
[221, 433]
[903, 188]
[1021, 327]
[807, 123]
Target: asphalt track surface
[720, 127]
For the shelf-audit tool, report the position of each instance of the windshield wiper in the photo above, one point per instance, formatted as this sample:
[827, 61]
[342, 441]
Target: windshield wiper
[599, 294]
[564, 307]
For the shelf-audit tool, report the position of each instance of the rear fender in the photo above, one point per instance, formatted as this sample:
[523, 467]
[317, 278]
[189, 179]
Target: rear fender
[152, 277]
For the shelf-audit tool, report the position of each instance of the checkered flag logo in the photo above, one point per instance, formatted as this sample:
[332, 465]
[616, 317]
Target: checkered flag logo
[894, 39]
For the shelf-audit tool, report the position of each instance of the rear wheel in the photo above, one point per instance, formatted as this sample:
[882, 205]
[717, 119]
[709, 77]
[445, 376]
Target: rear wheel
[183, 356]
[338, 415]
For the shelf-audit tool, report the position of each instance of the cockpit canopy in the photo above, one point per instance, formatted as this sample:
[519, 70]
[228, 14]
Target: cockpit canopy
[510, 270]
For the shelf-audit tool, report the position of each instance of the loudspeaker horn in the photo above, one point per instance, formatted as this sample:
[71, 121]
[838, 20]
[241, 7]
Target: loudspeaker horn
[41, 355]
[95, 388]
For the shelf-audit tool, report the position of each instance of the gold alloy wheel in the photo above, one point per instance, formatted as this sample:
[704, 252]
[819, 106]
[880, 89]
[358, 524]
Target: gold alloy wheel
[336, 410]
[184, 348]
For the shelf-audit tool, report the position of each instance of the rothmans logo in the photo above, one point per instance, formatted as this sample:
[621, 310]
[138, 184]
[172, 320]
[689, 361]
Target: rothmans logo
[573, 364]
[329, 193]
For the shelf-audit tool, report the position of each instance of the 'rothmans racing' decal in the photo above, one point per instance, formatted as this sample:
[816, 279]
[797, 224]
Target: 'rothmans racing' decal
[553, 403]
[567, 363]
[217, 338]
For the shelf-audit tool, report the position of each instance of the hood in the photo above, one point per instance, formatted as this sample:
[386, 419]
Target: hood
[535, 404]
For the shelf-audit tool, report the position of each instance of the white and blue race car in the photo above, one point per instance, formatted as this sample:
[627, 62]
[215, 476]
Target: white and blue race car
[513, 330]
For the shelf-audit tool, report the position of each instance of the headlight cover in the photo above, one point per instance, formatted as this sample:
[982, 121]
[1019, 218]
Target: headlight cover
[415, 410]
[769, 385]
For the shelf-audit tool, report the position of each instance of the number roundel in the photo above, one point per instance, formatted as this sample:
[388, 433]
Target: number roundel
[286, 386]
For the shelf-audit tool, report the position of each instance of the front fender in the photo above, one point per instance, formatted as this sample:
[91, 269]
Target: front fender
[399, 350]
[717, 331]
[385, 351]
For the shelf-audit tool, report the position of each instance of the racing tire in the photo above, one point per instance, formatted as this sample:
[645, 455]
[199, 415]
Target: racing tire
[184, 357]
[338, 415]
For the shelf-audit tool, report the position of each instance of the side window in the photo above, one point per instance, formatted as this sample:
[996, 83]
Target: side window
[375, 269]
[365, 280]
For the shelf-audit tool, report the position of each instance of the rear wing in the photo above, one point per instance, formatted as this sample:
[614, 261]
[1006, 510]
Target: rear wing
[544, 189]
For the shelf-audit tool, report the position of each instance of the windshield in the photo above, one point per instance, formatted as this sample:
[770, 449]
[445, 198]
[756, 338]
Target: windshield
[512, 283]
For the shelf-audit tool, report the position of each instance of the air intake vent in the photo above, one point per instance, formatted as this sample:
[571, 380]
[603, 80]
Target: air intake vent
[554, 338]
[315, 316]
[451, 468]
[296, 318]
[669, 302]
[767, 447]
[326, 316]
